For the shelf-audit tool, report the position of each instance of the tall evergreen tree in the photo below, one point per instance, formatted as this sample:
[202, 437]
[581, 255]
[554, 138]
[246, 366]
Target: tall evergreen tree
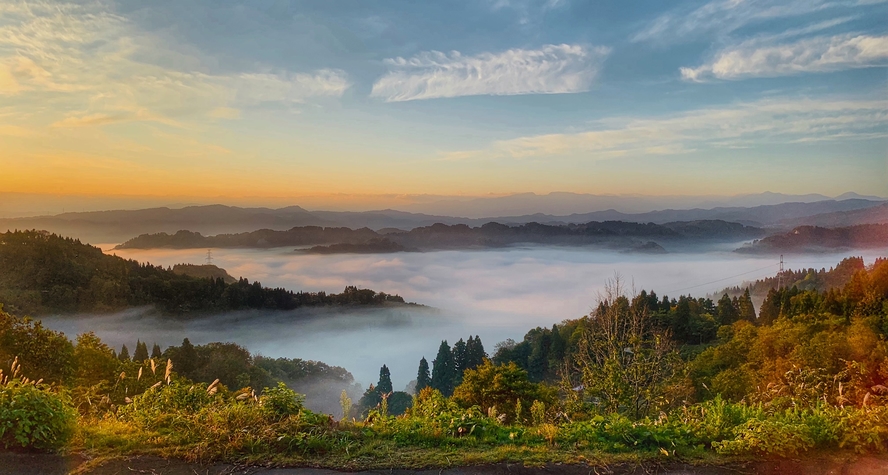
[185, 359]
[726, 313]
[442, 370]
[141, 353]
[538, 361]
[385, 380]
[124, 354]
[459, 361]
[155, 351]
[770, 309]
[559, 346]
[423, 378]
[474, 353]
[681, 320]
[746, 308]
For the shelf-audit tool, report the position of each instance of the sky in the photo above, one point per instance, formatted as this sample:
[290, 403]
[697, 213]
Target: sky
[289, 99]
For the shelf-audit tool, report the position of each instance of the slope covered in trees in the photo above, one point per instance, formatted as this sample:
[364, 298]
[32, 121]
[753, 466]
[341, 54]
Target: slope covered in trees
[822, 280]
[45, 273]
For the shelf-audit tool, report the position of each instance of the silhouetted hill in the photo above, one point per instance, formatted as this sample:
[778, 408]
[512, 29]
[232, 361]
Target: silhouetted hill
[609, 234]
[115, 226]
[815, 239]
[204, 271]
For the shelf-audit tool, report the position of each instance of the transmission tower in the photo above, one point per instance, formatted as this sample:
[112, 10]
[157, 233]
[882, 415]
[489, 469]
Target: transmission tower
[210, 256]
[780, 274]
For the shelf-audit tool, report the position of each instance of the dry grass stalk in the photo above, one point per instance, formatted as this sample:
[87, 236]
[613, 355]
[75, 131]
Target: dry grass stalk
[169, 370]
[212, 388]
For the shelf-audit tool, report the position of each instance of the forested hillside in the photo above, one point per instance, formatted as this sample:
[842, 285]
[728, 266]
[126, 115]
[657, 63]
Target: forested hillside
[45, 273]
[637, 376]
[803, 279]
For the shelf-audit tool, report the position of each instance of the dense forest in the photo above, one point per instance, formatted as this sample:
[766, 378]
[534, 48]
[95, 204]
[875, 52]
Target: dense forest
[656, 377]
[803, 279]
[617, 234]
[45, 273]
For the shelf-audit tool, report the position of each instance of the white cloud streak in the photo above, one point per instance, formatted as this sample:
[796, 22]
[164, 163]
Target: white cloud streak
[810, 55]
[80, 59]
[726, 16]
[740, 126]
[552, 69]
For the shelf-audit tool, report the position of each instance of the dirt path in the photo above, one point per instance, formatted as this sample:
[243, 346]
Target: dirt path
[45, 464]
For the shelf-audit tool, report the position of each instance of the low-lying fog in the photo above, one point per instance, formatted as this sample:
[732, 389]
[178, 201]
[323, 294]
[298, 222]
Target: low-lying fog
[496, 294]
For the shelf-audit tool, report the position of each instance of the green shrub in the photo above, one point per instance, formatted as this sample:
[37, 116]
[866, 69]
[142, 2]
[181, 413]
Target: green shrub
[618, 433]
[32, 417]
[714, 420]
[282, 401]
[863, 430]
[767, 437]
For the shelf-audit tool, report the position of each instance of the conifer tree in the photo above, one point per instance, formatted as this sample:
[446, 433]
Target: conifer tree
[474, 353]
[459, 361]
[385, 380]
[681, 320]
[155, 351]
[442, 370]
[124, 354]
[141, 353]
[423, 378]
[538, 361]
[185, 359]
[726, 312]
[558, 347]
[746, 308]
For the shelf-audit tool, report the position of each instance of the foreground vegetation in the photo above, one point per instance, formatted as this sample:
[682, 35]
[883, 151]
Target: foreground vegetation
[808, 376]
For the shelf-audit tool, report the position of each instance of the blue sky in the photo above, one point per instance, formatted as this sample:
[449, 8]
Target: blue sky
[296, 98]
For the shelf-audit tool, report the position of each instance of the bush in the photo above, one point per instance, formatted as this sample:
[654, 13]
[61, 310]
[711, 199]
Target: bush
[32, 417]
[282, 401]
[618, 433]
[767, 437]
[505, 388]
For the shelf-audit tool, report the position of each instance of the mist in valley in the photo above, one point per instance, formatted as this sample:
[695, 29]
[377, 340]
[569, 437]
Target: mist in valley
[496, 294]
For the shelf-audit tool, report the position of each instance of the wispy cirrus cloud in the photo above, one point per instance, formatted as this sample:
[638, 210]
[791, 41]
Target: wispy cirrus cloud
[80, 62]
[739, 126]
[727, 16]
[552, 69]
[809, 55]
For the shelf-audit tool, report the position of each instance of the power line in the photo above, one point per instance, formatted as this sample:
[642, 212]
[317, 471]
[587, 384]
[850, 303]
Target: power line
[720, 280]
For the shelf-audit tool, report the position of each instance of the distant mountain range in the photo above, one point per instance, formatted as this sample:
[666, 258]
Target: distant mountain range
[871, 215]
[562, 204]
[17, 205]
[117, 226]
